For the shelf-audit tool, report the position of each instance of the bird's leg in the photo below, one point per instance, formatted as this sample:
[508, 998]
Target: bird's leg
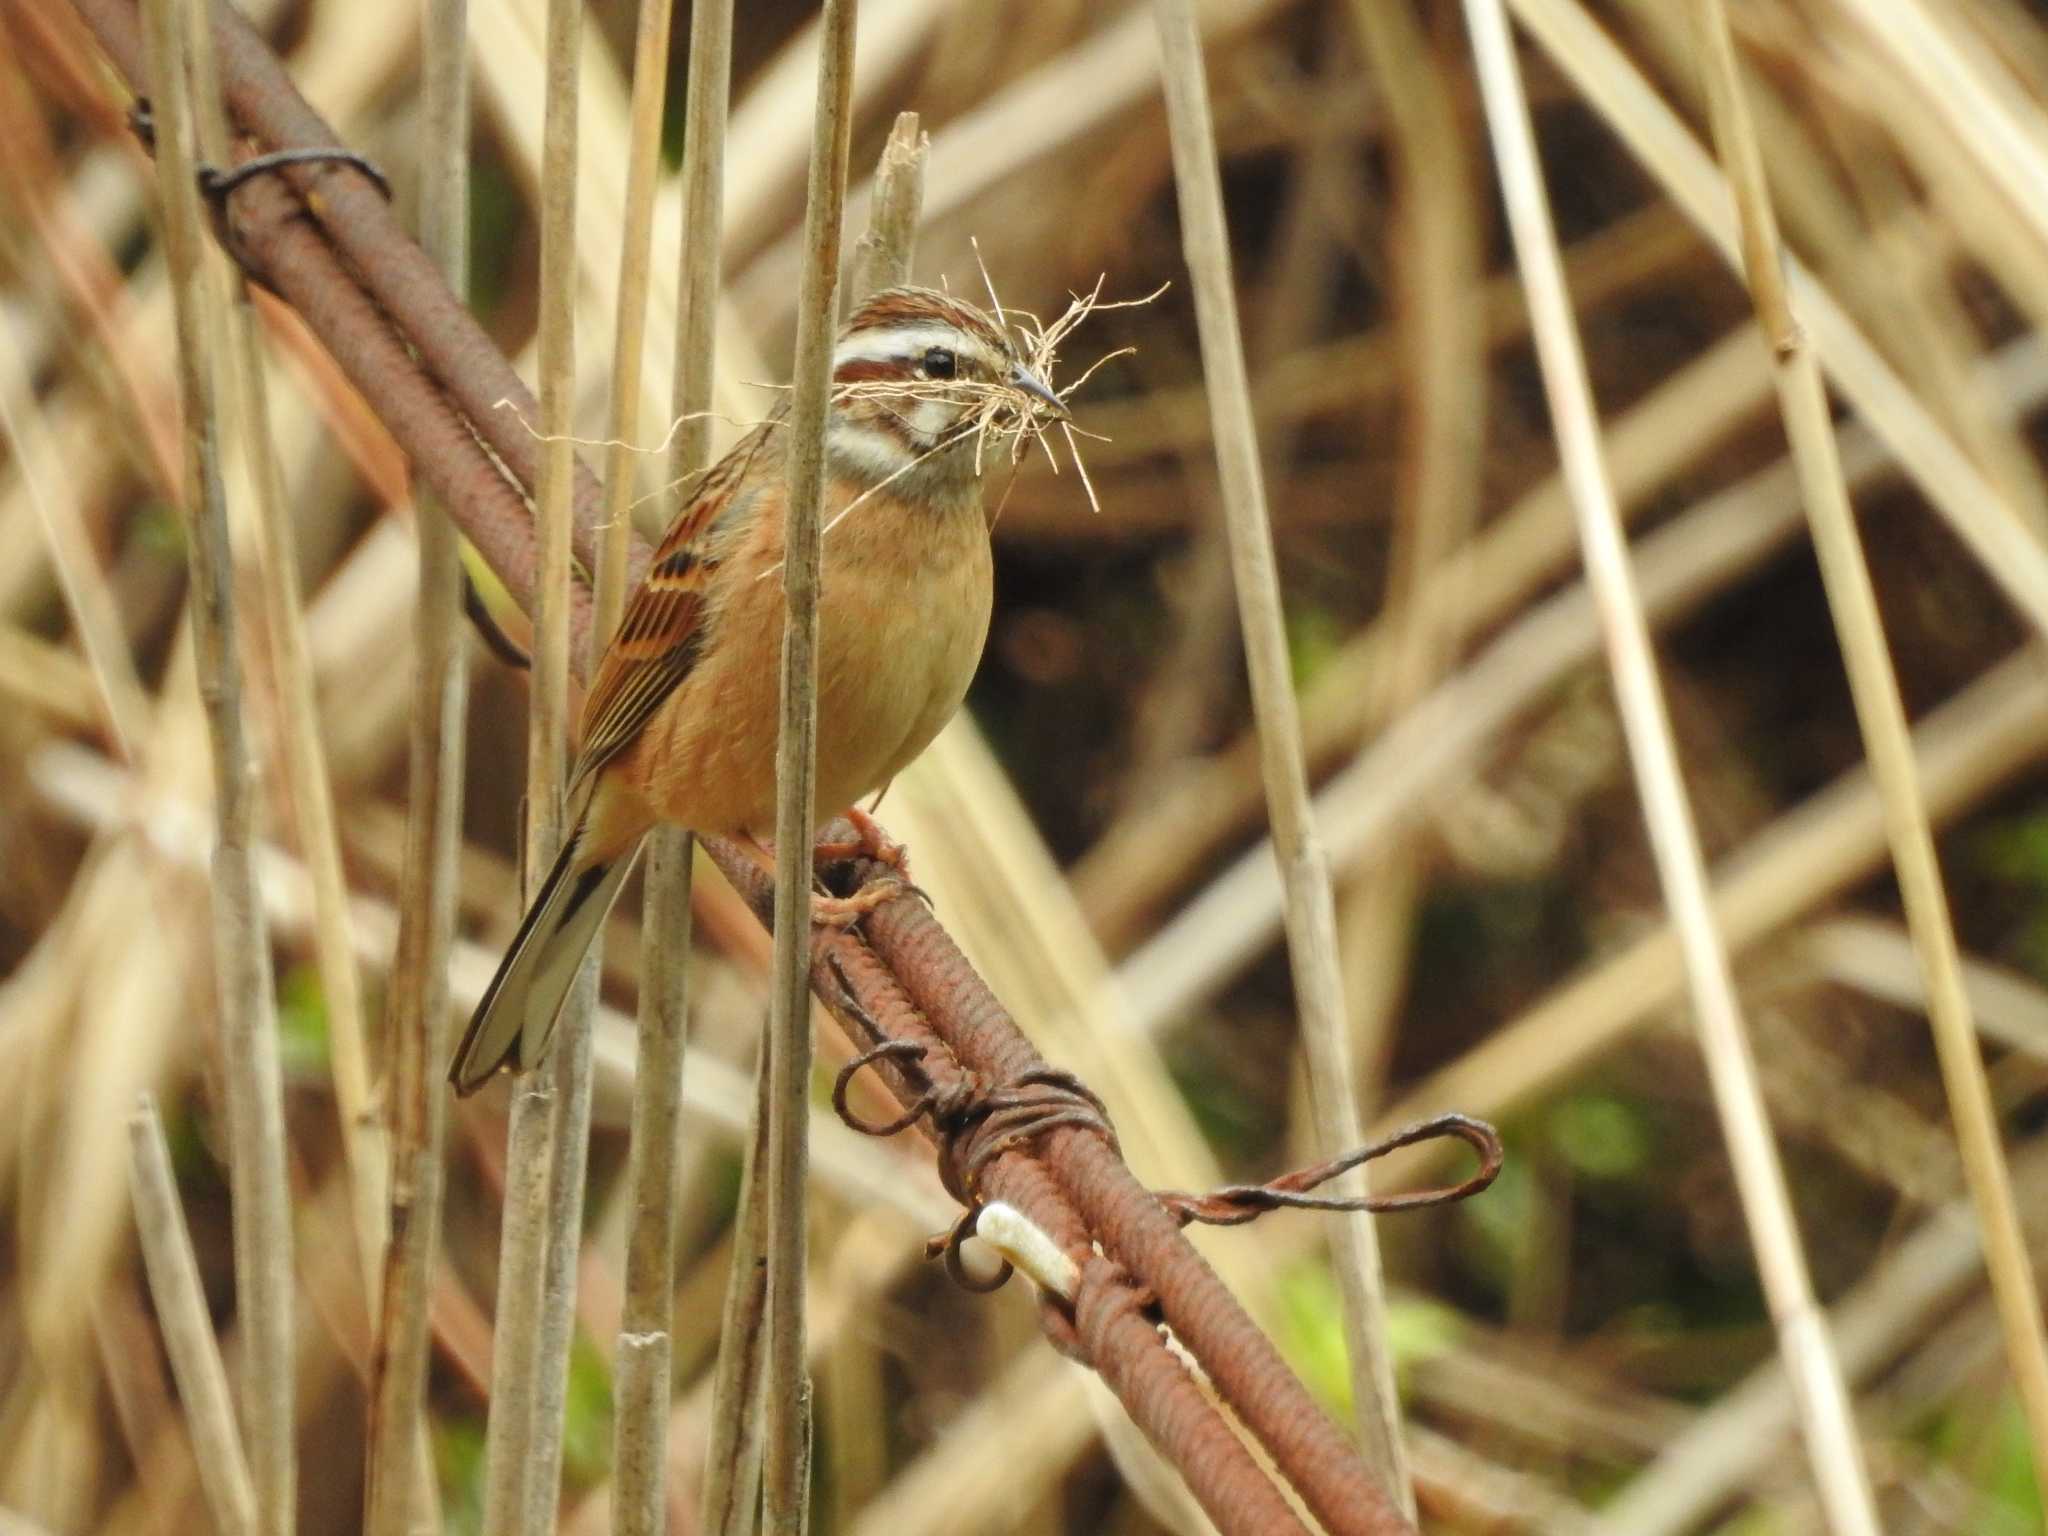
[869, 840]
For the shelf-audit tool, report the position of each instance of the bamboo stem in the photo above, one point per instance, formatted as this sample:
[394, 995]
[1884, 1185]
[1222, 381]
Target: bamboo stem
[1875, 687]
[1304, 867]
[179, 44]
[786, 1435]
[402, 1494]
[1810, 1359]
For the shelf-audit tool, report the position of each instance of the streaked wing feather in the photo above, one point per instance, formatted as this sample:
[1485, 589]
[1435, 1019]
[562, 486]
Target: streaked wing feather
[661, 633]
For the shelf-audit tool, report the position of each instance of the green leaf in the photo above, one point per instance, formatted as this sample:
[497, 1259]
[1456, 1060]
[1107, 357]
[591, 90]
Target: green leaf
[1312, 1332]
[459, 1461]
[1601, 1136]
[302, 1030]
[587, 1416]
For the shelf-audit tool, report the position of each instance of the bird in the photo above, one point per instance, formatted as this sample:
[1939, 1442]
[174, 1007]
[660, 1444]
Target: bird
[680, 721]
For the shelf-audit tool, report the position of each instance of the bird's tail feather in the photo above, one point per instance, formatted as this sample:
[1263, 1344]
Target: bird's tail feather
[516, 1018]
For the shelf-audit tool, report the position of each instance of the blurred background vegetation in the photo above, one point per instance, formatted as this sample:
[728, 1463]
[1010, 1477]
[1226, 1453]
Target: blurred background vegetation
[1591, 1331]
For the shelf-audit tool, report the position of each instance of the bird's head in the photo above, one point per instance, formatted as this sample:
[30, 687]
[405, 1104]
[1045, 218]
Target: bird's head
[916, 375]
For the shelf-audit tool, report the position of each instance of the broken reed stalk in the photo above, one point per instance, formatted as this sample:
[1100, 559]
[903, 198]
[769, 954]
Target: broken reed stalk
[402, 1495]
[550, 1106]
[1832, 1444]
[1875, 689]
[882, 256]
[187, 1325]
[785, 1463]
[184, 87]
[1304, 867]
[640, 1381]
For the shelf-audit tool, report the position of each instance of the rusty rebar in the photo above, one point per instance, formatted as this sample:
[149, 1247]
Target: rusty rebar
[431, 378]
[364, 227]
[435, 379]
[913, 982]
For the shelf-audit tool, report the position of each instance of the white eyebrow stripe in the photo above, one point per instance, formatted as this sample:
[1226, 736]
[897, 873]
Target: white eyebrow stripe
[910, 340]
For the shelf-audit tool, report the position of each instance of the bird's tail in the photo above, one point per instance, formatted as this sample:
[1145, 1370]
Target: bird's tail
[516, 1018]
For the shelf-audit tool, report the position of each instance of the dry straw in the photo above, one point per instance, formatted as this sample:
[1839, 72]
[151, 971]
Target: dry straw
[402, 1493]
[1832, 1445]
[786, 1450]
[179, 44]
[547, 1140]
[188, 1328]
[1853, 601]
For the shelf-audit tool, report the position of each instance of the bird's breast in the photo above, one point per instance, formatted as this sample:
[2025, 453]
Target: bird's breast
[903, 609]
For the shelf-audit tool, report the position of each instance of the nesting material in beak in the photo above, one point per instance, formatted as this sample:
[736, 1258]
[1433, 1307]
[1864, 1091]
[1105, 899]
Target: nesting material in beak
[1030, 383]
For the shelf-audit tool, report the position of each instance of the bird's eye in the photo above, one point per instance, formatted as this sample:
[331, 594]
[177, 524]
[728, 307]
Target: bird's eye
[938, 363]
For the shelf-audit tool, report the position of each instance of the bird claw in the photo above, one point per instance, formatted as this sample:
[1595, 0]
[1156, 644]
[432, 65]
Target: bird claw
[845, 911]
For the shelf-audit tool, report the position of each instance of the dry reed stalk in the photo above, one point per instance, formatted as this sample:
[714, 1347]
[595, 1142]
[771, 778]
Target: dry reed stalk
[1727, 1447]
[1996, 536]
[511, 75]
[187, 1327]
[1966, 748]
[178, 43]
[1614, 263]
[882, 255]
[401, 1489]
[568, 1140]
[1876, 957]
[309, 792]
[1311, 918]
[1830, 1428]
[1232, 920]
[732, 1483]
[123, 703]
[641, 1390]
[1071, 96]
[1852, 600]
[1990, 116]
[550, 1106]
[629, 330]
[1439, 266]
[731, 1504]
[786, 1433]
[1143, 860]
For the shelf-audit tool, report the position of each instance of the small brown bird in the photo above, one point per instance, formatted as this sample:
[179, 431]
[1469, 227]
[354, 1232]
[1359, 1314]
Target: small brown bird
[680, 723]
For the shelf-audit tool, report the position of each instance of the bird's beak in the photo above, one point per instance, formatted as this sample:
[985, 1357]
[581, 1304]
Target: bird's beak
[1023, 378]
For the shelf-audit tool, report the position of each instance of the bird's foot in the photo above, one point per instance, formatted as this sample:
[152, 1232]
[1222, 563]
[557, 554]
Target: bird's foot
[845, 911]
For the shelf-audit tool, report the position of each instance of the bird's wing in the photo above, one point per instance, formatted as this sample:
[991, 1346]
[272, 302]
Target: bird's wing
[662, 632]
